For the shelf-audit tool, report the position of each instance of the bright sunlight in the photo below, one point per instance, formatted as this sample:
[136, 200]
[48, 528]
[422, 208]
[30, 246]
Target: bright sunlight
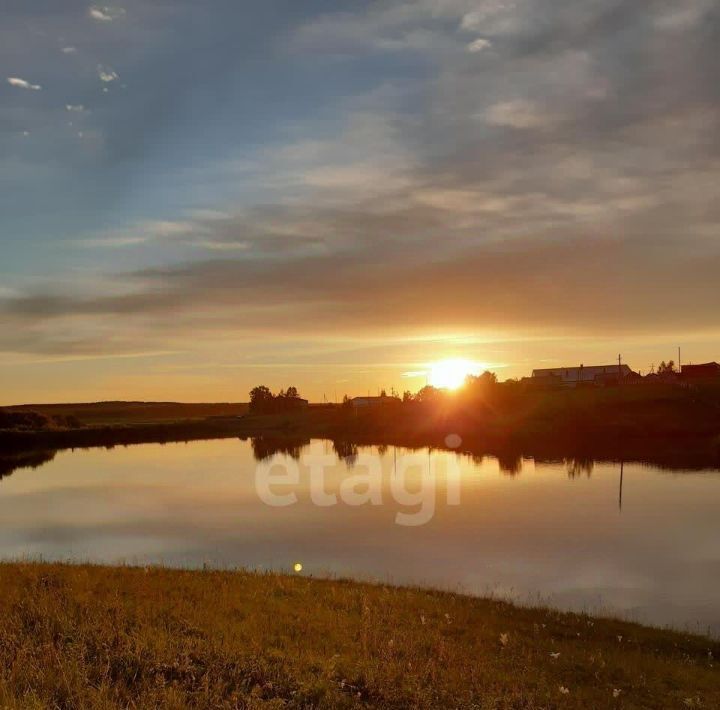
[451, 373]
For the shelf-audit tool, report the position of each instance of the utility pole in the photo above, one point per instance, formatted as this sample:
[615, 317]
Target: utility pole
[619, 369]
[679, 365]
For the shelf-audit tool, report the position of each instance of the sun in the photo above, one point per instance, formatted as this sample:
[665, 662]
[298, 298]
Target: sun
[450, 374]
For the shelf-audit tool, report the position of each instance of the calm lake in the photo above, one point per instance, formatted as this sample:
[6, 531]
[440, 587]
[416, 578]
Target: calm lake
[555, 533]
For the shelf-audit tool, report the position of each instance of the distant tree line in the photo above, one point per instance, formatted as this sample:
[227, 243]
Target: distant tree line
[474, 386]
[263, 401]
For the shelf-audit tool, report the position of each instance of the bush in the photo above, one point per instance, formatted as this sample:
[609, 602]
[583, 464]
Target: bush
[34, 421]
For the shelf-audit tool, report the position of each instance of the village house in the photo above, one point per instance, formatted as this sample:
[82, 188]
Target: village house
[704, 371]
[584, 374]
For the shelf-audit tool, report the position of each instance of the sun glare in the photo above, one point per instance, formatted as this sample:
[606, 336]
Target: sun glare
[451, 373]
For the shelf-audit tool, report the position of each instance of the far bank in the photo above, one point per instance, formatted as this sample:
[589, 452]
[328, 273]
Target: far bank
[664, 425]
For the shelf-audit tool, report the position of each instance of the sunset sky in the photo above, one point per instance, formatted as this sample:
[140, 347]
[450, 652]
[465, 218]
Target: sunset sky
[197, 197]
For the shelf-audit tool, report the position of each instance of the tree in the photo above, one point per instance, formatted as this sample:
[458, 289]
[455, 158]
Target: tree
[261, 399]
[666, 368]
[480, 387]
[489, 378]
[486, 379]
[287, 400]
[428, 394]
[407, 396]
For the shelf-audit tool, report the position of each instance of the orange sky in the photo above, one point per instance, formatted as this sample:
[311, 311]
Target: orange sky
[334, 195]
[322, 369]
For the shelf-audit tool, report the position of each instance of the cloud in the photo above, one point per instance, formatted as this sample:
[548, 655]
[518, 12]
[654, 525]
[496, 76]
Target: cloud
[685, 16]
[478, 45]
[69, 50]
[492, 16]
[519, 113]
[563, 183]
[385, 27]
[75, 108]
[22, 84]
[151, 231]
[105, 13]
[112, 242]
[486, 288]
[106, 74]
[224, 246]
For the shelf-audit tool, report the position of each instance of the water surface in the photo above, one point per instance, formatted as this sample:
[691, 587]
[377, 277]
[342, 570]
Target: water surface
[556, 533]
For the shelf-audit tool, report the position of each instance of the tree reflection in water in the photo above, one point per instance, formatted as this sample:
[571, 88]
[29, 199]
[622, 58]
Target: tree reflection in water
[576, 467]
[268, 445]
[9, 463]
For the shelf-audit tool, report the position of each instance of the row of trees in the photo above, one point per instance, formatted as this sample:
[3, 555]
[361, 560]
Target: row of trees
[263, 401]
[474, 386]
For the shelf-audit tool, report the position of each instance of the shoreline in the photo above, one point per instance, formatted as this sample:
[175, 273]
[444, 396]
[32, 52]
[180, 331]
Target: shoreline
[670, 427]
[673, 450]
[531, 602]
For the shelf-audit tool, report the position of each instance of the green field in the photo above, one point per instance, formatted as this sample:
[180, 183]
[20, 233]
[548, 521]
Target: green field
[98, 637]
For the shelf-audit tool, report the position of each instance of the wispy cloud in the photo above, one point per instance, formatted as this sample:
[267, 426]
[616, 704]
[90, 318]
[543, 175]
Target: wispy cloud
[224, 246]
[684, 15]
[86, 358]
[111, 242]
[22, 84]
[415, 373]
[75, 108]
[520, 114]
[151, 231]
[105, 13]
[492, 15]
[69, 50]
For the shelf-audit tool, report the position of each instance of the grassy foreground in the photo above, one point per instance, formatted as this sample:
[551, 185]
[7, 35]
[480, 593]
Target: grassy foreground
[97, 637]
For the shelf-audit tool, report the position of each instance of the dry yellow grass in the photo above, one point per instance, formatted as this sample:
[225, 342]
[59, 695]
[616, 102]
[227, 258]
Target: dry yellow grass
[99, 637]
